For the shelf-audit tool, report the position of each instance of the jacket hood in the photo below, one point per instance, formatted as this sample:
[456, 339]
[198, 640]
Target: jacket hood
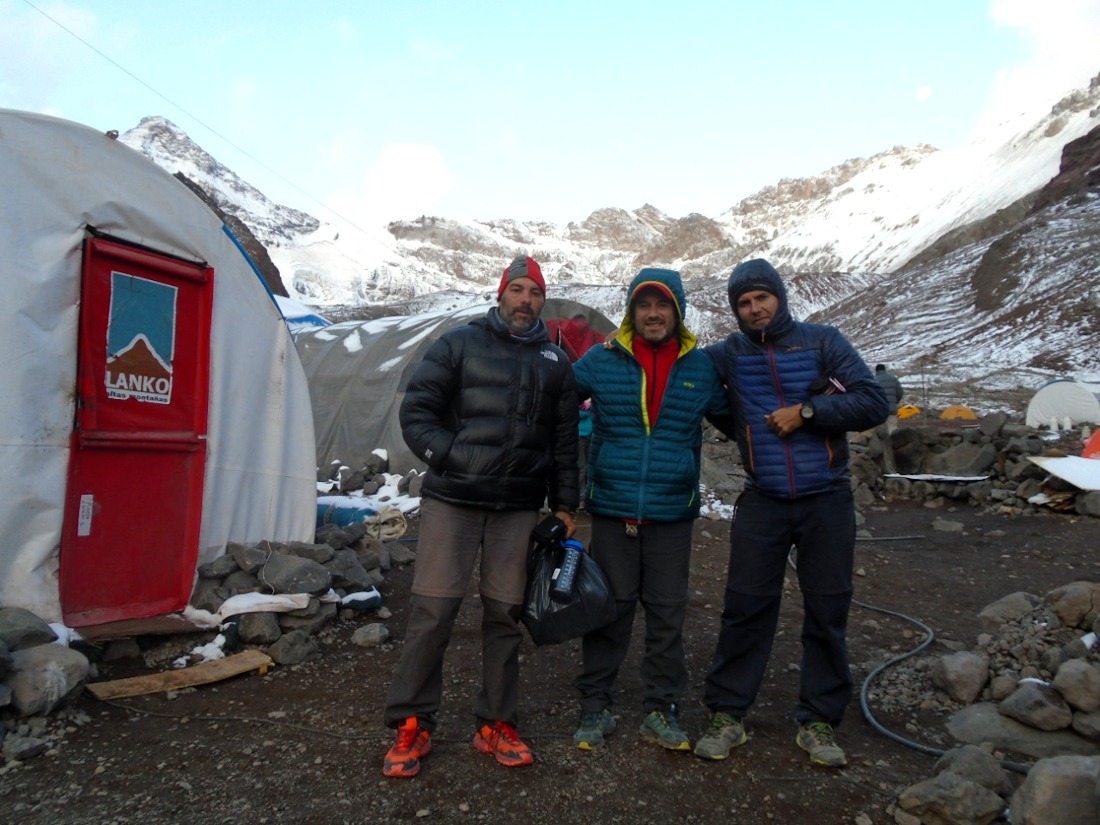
[669, 282]
[759, 274]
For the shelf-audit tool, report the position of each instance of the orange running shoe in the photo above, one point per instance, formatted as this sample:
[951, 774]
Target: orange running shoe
[413, 743]
[501, 740]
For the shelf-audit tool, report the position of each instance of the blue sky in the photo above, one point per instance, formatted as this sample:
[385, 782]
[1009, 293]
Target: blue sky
[387, 110]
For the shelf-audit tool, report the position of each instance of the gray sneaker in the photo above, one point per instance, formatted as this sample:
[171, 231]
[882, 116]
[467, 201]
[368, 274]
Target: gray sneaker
[819, 741]
[724, 734]
[664, 729]
[594, 727]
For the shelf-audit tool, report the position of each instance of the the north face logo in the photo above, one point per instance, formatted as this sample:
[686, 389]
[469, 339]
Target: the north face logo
[549, 353]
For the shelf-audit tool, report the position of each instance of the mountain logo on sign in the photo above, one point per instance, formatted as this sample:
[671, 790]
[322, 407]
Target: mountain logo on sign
[138, 372]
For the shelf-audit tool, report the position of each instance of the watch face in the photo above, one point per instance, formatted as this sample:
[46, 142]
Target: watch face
[807, 411]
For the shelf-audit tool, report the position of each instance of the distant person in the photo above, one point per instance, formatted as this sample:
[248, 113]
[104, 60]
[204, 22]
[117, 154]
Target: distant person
[492, 409]
[894, 393]
[651, 387]
[795, 390]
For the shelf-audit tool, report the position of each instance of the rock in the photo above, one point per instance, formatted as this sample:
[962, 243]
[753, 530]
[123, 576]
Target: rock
[1077, 603]
[374, 464]
[1061, 790]
[981, 723]
[239, 582]
[6, 661]
[1002, 685]
[962, 460]
[249, 559]
[319, 553]
[1079, 684]
[370, 635]
[46, 677]
[1088, 504]
[400, 553]
[218, 568]
[962, 675]
[21, 629]
[1087, 725]
[1006, 609]
[976, 765]
[947, 525]
[293, 648]
[118, 649]
[949, 799]
[347, 572]
[324, 614]
[1038, 705]
[293, 574]
[22, 748]
[334, 535]
[259, 628]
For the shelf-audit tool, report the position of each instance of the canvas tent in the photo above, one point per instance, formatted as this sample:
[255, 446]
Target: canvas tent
[154, 407]
[1060, 400]
[358, 372]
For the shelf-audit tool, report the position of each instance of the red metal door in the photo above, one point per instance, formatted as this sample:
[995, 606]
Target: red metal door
[133, 509]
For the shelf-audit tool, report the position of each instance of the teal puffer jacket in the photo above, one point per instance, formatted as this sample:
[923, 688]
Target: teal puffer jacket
[636, 471]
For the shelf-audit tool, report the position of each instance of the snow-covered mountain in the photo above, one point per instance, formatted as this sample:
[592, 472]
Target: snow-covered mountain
[958, 266]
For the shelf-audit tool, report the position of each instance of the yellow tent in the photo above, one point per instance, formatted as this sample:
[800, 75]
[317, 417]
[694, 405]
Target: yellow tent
[959, 411]
[908, 410]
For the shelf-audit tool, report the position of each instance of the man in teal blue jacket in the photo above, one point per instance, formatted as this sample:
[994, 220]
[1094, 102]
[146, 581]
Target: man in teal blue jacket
[651, 387]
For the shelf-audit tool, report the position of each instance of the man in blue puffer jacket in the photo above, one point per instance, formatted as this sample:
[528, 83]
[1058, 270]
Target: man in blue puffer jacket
[651, 387]
[796, 390]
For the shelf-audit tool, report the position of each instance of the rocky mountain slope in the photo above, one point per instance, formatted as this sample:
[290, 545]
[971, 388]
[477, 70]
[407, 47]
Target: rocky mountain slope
[969, 271]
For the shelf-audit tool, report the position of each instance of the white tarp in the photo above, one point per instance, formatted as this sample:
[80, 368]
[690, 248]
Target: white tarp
[56, 178]
[1083, 473]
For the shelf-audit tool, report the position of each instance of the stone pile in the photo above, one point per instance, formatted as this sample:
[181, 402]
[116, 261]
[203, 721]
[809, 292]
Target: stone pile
[343, 560]
[341, 573]
[1031, 686]
[37, 678]
[992, 447]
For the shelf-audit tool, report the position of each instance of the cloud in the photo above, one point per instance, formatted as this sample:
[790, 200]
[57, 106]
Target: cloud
[406, 181]
[1063, 37]
[924, 93]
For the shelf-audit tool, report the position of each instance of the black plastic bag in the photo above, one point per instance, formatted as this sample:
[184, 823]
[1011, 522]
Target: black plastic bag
[550, 621]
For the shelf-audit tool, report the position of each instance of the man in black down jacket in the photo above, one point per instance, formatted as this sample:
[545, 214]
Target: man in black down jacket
[492, 409]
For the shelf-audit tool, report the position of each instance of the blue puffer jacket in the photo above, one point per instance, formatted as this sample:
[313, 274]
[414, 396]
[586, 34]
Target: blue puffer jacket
[787, 363]
[638, 471]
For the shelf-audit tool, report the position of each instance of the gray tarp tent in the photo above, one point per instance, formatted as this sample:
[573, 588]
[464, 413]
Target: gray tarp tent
[358, 370]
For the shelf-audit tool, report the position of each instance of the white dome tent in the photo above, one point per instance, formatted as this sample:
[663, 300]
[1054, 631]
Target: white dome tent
[1060, 400]
[154, 407]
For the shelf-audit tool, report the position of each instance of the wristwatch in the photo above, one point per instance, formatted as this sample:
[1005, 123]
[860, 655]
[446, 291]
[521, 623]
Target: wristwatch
[807, 410]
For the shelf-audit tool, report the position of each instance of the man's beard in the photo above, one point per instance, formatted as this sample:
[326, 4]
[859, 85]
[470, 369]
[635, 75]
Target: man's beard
[520, 323]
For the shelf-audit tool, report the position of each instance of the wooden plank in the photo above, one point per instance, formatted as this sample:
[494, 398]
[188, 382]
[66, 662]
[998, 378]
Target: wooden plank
[168, 624]
[200, 674]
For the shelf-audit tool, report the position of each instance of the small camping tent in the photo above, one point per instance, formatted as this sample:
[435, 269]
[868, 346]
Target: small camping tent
[908, 410]
[958, 411]
[358, 372]
[1060, 400]
[154, 407]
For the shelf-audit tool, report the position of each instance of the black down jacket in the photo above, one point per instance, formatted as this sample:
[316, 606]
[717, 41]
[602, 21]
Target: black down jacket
[495, 419]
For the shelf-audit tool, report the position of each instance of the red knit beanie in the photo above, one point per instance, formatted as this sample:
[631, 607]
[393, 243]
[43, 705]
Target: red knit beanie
[522, 267]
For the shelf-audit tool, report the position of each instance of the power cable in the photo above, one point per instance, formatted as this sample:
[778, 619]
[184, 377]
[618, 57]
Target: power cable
[195, 118]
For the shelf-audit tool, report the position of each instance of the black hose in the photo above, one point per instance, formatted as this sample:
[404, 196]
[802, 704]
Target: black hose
[1017, 767]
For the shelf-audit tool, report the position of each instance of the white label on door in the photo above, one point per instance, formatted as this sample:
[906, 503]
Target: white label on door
[84, 520]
